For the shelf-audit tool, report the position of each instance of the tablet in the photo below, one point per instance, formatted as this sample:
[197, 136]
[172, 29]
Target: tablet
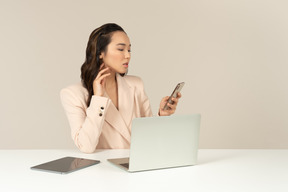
[65, 165]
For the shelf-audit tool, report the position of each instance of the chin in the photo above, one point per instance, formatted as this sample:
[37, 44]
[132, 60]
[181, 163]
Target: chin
[122, 71]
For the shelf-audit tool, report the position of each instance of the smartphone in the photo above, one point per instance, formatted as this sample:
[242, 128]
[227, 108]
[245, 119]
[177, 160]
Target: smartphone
[174, 94]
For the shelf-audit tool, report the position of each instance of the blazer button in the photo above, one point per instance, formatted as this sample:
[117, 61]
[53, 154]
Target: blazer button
[102, 108]
[100, 114]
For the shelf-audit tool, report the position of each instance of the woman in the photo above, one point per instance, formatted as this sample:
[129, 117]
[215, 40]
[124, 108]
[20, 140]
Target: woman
[100, 109]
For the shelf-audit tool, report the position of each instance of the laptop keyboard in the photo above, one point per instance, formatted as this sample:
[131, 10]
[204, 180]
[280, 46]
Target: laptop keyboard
[125, 165]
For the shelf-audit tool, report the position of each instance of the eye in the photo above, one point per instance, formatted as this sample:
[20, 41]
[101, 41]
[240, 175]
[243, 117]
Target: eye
[121, 49]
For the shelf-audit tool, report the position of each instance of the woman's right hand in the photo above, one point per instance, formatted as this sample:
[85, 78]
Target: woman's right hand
[99, 81]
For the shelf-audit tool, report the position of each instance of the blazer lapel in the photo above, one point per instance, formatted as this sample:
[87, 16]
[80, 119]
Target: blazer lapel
[125, 100]
[114, 118]
[121, 119]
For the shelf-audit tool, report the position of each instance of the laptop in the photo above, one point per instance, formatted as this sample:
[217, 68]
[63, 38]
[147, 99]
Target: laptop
[162, 142]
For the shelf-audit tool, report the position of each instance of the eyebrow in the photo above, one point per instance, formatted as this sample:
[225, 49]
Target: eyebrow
[123, 44]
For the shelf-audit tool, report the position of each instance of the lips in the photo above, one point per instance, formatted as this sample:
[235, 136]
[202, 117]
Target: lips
[125, 65]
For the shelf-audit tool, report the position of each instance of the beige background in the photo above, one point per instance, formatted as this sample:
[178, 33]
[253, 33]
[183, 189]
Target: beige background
[231, 54]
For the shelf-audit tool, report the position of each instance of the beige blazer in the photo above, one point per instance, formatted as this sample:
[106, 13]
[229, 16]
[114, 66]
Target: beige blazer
[102, 125]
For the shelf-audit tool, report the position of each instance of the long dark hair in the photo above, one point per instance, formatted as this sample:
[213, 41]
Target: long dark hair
[98, 42]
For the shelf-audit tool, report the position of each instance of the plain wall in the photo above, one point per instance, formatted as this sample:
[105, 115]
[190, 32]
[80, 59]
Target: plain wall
[231, 54]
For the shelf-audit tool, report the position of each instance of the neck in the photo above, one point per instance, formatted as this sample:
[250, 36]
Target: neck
[111, 80]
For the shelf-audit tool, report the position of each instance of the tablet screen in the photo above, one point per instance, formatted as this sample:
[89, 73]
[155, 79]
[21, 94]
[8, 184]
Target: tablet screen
[65, 165]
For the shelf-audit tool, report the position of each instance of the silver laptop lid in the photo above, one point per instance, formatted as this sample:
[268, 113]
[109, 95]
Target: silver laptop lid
[163, 142]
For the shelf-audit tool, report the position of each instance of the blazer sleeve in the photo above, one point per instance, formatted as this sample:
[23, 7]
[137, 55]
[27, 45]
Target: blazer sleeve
[86, 124]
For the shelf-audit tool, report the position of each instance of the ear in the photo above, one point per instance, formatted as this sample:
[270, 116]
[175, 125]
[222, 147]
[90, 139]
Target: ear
[101, 55]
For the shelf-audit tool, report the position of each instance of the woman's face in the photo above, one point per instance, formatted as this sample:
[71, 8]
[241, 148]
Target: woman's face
[117, 55]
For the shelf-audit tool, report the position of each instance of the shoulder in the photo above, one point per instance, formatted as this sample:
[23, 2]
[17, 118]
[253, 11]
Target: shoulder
[133, 81]
[76, 88]
[74, 92]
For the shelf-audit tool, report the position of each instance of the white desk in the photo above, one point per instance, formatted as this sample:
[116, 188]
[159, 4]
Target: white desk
[217, 170]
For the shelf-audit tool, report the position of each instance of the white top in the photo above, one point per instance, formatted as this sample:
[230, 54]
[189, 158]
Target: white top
[217, 170]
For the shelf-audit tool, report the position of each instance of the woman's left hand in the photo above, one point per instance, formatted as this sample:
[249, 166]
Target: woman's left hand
[172, 107]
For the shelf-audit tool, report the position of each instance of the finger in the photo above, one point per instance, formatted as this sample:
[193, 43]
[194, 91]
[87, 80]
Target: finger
[102, 66]
[175, 100]
[179, 95]
[100, 79]
[103, 82]
[166, 98]
[172, 106]
[169, 111]
[104, 70]
[101, 73]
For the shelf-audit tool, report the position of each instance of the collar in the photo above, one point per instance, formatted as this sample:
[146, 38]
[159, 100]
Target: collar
[121, 119]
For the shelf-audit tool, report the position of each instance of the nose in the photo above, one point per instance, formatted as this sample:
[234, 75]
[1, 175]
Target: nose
[127, 55]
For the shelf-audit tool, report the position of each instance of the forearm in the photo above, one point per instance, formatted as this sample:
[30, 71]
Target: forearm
[85, 123]
[87, 136]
